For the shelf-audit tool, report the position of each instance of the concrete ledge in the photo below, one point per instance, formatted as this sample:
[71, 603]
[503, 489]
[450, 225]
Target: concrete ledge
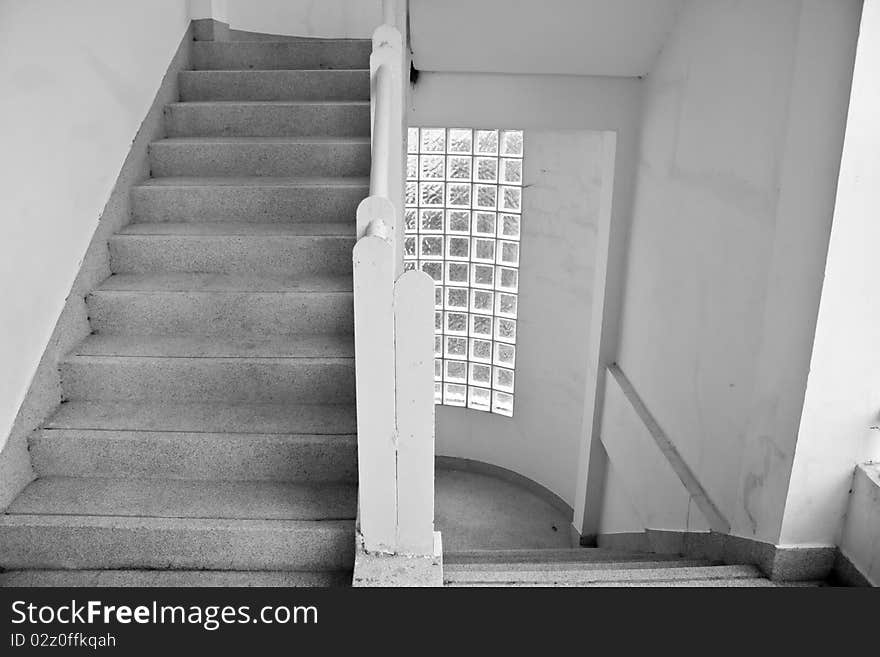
[779, 563]
[396, 570]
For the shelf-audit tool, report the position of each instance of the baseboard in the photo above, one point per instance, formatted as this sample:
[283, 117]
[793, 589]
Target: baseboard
[208, 29]
[779, 563]
[44, 393]
[846, 573]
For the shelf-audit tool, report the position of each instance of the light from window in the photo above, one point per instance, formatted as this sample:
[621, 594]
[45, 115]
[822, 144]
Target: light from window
[463, 216]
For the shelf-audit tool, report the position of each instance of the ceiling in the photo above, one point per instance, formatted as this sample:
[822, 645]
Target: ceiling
[565, 37]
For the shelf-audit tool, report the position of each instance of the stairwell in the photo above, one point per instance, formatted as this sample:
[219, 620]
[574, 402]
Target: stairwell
[207, 430]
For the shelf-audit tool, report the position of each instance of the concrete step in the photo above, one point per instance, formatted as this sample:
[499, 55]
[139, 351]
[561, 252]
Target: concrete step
[221, 247]
[268, 119]
[256, 200]
[562, 566]
[260, 156]
[221, 305]
[601, 576]
[169, 498]
[172, 578]
[284, 85]
[267, 55]
[116, 542]
[545, 556]
[128, 377]
[756, 582]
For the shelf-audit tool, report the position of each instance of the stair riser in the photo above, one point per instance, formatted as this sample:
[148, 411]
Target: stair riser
[283, 256]
[184, 380]
[274, 85]
[329, 547]
[242, 55]
[222, 314]
[171, 578]
[318, 203]
[185, 120]
[276, 159]
[196, 456]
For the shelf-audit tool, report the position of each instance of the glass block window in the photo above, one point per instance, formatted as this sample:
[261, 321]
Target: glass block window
[463, 216]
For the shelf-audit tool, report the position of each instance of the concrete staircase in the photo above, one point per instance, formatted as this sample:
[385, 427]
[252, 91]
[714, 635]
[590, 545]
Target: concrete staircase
[591, 567]
[207, 433]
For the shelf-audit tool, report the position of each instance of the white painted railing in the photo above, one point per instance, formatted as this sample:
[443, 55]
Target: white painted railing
[394, 337]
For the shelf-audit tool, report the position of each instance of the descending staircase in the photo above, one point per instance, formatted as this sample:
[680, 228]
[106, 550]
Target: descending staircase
[207, 432]
[588, 567]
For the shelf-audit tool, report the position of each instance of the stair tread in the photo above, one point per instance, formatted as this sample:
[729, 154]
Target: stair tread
[230, 418]
[543, 555]
[186, 524]
[564, 566]
[173, 578]
[175, 498]
[610, 575]
[195, 346]
[256, 181]
[235, 283]
[173, 141]
[250, 103]
[239, 228]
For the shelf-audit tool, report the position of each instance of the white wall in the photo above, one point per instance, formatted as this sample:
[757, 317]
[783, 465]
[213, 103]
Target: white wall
[541, 442]
[575, 37]
[860, 542]
[315, 18]
[741, 134]
[838, 427]
[77, 80]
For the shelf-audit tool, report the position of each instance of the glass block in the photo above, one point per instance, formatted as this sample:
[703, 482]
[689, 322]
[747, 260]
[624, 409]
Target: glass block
[460, 140]
[430, 221]
[433, 140]
[456, 348]
[457, 273]
[508, 253]
[458, 168]
[486, 197]
[486, 169]
[511, 198]
[438, 297]
[506, 305]
[512, 142]
[458, 222]
[454, 394]
[455, 371]
[433, 269]
[410, 224]
[480, 375]
[458, 195]
[409, 265]
[438, 369]
[482, 301]
[432, 167]
[438, 322]
[484, 223]
[511, 171]
[438, 346]
[458, 248]
[412, 167]
[505, 354]
[508, 279]
[502, 403]
[438, 393]
[409, 247]
[480, 350]
[483, 250]
[486, 142]
[431, 194]
[483, 276]
[456, 298]
[412, 193]
[481, 326]
[502, 379]
[456, 323]
[509, 226]
[431, 246]
[505, 330]
[412, 140]
[479, 399]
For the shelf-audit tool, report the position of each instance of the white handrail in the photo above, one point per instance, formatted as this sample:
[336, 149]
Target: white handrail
[381, 146]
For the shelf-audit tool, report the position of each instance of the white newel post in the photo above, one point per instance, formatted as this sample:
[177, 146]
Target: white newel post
[414, 349]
